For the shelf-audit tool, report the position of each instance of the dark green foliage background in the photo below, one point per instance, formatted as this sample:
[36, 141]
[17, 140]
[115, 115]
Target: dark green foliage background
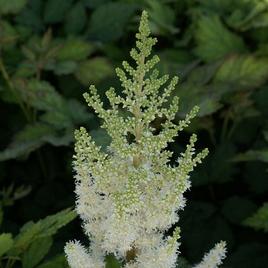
[51, 51]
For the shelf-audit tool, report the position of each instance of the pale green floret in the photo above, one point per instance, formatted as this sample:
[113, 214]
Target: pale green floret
[129, 196]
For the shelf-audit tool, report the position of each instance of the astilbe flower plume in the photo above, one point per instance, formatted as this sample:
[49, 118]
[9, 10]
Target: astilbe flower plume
[129, 196]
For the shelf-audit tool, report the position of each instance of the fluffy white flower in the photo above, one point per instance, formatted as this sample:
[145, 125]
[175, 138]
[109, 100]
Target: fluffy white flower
[214, 257]
[155, 251]
[78, 257]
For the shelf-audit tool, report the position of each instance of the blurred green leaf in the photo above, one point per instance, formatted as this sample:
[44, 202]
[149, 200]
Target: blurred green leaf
[112, 262]
[58, 112]
[76, 19]
[162, 18]
[260, 36]
[31, 138]
[236, 209]
[265, 134]
[108, 21]
[81, 114]
[202, 216]
[11, 6]
[249, 15]
[202, 75]
[64, 116]
[32, 132]
[18, 150]
[59, 262]
[243, 72]
[218, 6]
[74, 49]
[258, 185]
[36, 252]
[55, 10]
[94, 3]
[197, 90]
[32, 15]
[101, 138]
[40, 53]
[259, 220]
[260, 20]
[39, 94]
[26, 141]
[253, 155]
[64, 67]
[59, 120]
[44, 228]
[206, 97]
[176, 62]
[217, 168]
[94, 70]
[178, 55]
[260, 99]
[6, 243]
[8, 35]
[1, 214]
[12, 193]
[253, 254]
[214, 40]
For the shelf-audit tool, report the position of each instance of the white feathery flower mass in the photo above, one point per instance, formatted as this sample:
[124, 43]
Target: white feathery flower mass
[78, 257]
[214, 257]
[128, 195]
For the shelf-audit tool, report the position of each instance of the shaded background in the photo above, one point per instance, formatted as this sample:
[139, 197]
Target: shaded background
[51, 51]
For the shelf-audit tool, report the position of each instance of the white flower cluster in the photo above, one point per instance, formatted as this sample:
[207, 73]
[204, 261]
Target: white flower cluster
[78, 257]
[213, 258]
[129, 197]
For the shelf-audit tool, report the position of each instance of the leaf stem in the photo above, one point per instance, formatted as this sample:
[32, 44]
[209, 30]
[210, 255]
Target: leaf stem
[225, 126]
[13, 91]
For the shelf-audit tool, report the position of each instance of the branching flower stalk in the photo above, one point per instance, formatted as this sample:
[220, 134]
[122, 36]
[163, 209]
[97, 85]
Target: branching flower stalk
[129, 196]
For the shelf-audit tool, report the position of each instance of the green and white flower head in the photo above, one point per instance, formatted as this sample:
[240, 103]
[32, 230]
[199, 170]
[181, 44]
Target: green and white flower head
[129, 196]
